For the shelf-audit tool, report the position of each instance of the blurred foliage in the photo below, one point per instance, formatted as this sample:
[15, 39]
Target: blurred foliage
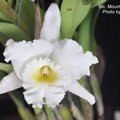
[93, 2]
[6, 67]
[72, 13]
[24, 112]
[85, 33]
[17, 21]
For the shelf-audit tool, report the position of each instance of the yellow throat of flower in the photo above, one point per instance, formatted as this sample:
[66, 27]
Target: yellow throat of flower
[45, 74]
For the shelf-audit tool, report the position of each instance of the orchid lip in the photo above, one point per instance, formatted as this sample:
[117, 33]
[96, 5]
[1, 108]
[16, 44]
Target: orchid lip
[45, 74]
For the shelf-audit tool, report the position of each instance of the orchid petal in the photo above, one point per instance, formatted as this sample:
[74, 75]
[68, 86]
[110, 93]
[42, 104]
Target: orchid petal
[78, 90]
[34, 94]
[51, 26]
[70, 56]
[9, 83]
[21, 52]
[54, 96]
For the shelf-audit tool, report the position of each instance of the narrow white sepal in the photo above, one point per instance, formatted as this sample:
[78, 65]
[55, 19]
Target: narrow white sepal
[78, 90]
[9, 83]
[51, 25]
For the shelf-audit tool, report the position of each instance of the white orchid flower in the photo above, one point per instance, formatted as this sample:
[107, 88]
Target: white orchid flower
[47, 68]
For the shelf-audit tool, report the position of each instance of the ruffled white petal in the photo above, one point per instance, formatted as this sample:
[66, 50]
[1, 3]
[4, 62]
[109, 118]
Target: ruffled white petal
[70, 56]
[21, 52]
[9, 83]
[34, 95]
[54, 95]
[51, 25]
[78, 90]
[35, 91]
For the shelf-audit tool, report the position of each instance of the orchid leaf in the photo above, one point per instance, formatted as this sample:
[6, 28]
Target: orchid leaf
[3, 18]
[6, 67]
[87, 110]
[24, 112]
[94, 2]
[86, 107]
[95, 13]
[49, 113]
[7, 11]
[75, 110]
[10, 2]
[97, 2]
[27, 14]
[3, 38]
[11, 15]
[98, 95]
[72, 12]
[12, 31]
[86, 2]
[2, 74]
[65, 112]
[38, 112]
[85, 36]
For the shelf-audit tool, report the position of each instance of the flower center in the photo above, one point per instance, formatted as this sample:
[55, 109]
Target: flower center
[45, 74]
[45, 71]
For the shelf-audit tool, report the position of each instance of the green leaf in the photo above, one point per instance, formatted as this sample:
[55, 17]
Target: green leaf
[72, 12]
[94, 2]
[6, 67]
[85, 35]
[76, 111]
[11, 15]
[11, 31]
[38, 112]
[3, 18]
[2, 74]
[87, 109]
[49, 113]
[86, 2]
[3, 38]
[7, 11]
[10, 2]
[97, 94]
[95, 13]
[65, 112]
[27, 14]
[24, 112]
[97, 2]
